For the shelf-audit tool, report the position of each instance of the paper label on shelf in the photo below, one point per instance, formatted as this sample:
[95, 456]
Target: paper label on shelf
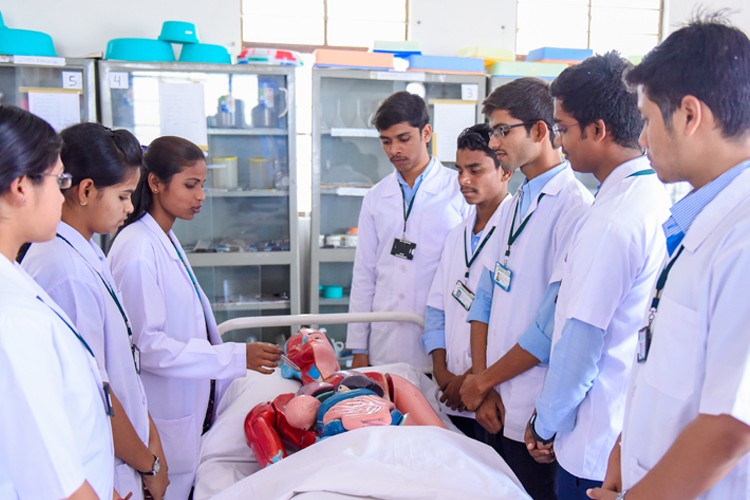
[351, 191]
[354, 132]
[182, 112]
[395, 75]
[118, 80]
[60, 109]
[39, 60]
[470, 91]
[72, 80]
[451, 118]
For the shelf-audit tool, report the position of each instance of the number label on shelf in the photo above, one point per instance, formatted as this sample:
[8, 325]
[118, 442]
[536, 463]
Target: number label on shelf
[118, 80]
[72, 80]
[469, 91]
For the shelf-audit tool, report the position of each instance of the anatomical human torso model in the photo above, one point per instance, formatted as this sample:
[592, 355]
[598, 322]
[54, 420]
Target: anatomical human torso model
[329, 402]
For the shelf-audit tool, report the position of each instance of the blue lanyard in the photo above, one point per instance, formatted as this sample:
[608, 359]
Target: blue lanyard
[645, 171]
[70, 327]
[112, 294]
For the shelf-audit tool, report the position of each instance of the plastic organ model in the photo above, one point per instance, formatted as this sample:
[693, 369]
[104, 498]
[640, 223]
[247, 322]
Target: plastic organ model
[329, 402]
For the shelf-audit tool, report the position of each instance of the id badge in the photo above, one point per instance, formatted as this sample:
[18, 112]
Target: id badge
[463, 295]
[108, 400]
[502, 276]
[137, 359]
[403, 249]
[644, 343]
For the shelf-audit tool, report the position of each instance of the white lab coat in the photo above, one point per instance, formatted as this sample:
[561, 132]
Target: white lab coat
[607, 275]
[533, 258]
[169, 326]
[452, 267]
[69, 276]
[699, 362]
[55, 432]
[382, 282]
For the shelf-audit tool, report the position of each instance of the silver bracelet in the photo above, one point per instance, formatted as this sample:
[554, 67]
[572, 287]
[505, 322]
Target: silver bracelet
[621, 495]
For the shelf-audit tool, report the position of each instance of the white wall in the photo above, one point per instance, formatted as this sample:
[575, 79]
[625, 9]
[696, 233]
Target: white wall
[80, 27]
[678, 12]
[442, 27]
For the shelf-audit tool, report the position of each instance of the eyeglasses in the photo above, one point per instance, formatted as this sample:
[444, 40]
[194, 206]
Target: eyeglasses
[559, 128]
[64, 180]
[500, 131]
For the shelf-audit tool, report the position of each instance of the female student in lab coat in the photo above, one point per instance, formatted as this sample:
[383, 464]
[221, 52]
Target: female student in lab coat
[105, 165]
[173, 326]
[55, 432]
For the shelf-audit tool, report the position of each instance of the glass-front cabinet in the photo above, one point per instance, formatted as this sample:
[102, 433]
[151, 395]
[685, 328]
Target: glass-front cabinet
[348, 159]
[60, 90]
[243, 245]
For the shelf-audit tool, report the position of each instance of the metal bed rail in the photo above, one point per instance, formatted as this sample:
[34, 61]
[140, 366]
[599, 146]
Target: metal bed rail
[319, 319]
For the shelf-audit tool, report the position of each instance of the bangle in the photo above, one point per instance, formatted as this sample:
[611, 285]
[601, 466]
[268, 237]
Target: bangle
[621, 495]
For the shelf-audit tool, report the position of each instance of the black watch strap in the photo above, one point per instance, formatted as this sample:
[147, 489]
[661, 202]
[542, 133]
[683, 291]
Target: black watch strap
[537, 437]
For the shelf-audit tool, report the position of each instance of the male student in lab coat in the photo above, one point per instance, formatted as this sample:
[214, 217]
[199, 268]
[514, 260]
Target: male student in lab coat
[532, 234]
[402, 227]
[687, 417]
[469, 248]
[606, 277]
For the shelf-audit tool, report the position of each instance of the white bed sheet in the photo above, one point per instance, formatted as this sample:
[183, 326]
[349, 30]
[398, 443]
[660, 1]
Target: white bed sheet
[384, 462]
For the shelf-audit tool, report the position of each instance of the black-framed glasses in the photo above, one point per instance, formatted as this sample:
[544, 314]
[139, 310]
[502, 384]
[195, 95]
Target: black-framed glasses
[64, 180]
[500, 131]
[559, 128]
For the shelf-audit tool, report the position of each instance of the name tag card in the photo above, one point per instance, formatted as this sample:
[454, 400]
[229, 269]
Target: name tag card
[403, 249]
[463, 295]
[502, 276]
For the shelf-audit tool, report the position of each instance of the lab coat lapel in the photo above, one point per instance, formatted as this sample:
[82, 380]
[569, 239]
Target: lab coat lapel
[169, 248]
[712, 215]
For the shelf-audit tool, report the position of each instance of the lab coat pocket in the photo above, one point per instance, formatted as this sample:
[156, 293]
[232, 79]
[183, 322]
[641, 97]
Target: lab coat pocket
[672, 362]
[127, 480]
[633, 472]
[180, 440]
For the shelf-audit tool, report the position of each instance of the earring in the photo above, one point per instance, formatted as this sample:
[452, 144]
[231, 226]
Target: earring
[83, 204]
[155, 191]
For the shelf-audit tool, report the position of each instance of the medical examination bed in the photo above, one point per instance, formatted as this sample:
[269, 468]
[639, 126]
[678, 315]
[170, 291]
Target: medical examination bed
[377, 462]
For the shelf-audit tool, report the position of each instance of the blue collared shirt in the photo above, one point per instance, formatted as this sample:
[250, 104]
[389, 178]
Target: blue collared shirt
[409, 191]
[530, 189]
[687, 209]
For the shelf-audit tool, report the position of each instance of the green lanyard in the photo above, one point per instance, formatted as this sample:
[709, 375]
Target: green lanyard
[184, 264]
[476, 254]
[407, 213]
[112, 294]
[512, 237]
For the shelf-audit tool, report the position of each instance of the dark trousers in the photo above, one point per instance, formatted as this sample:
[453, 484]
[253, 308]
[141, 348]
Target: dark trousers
[469, 427]
[538, 479]
[570, 487]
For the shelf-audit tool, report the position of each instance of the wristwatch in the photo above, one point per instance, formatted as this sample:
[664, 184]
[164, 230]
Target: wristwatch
[621, 495]
[537, 437]
[155, 468]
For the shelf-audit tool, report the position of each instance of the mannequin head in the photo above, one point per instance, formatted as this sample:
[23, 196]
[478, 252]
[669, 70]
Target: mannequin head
[312, 354]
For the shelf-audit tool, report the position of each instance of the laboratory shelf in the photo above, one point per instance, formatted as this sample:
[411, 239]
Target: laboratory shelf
[247, 131]
[336, 254]
[210, 259]
[247, 193]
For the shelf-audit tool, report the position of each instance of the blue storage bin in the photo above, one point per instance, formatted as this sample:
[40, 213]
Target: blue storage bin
[558, 54]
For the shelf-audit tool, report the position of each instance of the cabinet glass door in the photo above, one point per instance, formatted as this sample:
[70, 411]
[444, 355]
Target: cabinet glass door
[243, 243]
[348, 159]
